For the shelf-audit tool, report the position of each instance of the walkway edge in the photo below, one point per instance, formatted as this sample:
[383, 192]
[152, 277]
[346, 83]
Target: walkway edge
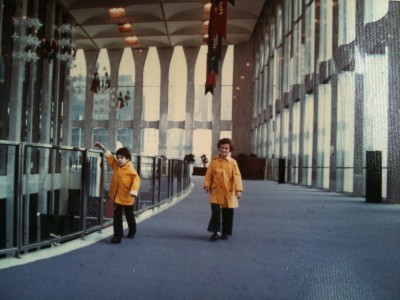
[90, 238]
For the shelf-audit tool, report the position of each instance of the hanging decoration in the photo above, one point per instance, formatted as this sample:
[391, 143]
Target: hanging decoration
[132, 40]
[26, 22]
[100, 84]
[28, 41]
[95, 84]
[59, 46]
[120, 101]
[117, 12]
[63, 38]
[216, 31]
[50, 49]
[105, 82]
[111, 99]
[127, 97]
[123, 101]
[123, 28]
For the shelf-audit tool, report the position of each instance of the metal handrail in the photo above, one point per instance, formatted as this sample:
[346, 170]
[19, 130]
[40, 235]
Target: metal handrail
[63, 187]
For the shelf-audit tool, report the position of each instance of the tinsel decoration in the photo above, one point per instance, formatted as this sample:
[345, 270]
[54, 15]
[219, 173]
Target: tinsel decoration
[63, 37]
[28, 23]
[30, 41]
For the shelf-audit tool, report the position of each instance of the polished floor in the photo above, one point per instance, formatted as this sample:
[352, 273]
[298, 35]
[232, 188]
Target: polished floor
[289, 242]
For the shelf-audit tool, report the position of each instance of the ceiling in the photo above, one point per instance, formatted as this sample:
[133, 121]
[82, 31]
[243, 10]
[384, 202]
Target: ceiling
[159, 23]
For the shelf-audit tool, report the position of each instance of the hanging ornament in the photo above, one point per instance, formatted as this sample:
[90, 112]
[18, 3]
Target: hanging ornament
[127, 98]
[107, 81]
[113, 97]
[95, 85]
[54, 48]
[120, 101]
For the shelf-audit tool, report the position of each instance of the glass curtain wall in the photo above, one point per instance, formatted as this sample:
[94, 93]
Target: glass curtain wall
[226, 88]
[295, 143]
[323, 135]
[177, 104]
[125, 94]
[345, 103]
[101, 87]
[151, 103]
[78, 82]
[202, 134]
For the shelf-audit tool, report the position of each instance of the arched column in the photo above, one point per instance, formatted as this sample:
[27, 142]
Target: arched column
[165, 55]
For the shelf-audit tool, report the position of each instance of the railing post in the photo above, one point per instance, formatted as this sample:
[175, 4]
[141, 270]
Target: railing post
[153, 180]
[85, 190]
[159, 173]
[18, 196]
[101, 191]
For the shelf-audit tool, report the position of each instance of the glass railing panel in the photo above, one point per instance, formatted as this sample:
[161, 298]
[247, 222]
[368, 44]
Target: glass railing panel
[95, 204]
[52, 194]
[8, 201]
[175, 176]
[164, 182]
[146, 182]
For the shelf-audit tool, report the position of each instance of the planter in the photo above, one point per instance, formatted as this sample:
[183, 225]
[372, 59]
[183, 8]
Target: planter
[200, 171]
[252, 167]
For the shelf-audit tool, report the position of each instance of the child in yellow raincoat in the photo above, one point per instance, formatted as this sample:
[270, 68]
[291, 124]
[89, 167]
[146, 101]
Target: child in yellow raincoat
[124, 188]
[223, 182]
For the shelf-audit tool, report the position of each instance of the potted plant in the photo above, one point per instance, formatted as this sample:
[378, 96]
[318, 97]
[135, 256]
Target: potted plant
[201, 170]
[204, 160]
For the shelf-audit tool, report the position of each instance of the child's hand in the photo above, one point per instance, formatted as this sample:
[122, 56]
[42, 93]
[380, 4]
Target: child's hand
[238, 195]
[99, 145]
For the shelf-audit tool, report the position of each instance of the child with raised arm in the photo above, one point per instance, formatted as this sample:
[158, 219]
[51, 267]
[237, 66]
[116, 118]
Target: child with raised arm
[124, 188]
[223, 182]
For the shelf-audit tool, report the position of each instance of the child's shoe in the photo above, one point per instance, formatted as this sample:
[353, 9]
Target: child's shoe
[115, 240]
[215, 236]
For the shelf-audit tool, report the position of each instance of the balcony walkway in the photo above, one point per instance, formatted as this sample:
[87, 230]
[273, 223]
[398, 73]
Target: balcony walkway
[289, 242]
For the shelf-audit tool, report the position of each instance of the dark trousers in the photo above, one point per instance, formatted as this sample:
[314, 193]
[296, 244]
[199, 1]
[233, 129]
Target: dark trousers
[130, 219]
[221, 219]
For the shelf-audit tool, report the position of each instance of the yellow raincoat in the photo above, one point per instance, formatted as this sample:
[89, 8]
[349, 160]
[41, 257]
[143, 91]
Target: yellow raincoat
[125, 182]
[223, 180]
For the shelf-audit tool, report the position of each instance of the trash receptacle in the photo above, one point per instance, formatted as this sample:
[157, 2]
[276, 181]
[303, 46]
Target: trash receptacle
[373, 183]
[281, 170]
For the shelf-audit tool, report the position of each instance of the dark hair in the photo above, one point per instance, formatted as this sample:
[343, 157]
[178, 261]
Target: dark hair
[124, 152]
[225, 141]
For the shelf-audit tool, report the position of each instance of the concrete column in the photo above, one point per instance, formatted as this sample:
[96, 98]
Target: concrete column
[45, 122]
[140, 57]
[91, 59]
[17, 84]
[242, 99]
[216, 105]
[114, 56]
[165, 55]
[393, 187]
[332, 163]
[191, 58]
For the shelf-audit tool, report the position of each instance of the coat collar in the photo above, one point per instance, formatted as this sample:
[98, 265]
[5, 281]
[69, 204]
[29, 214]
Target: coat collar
[228, 158]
